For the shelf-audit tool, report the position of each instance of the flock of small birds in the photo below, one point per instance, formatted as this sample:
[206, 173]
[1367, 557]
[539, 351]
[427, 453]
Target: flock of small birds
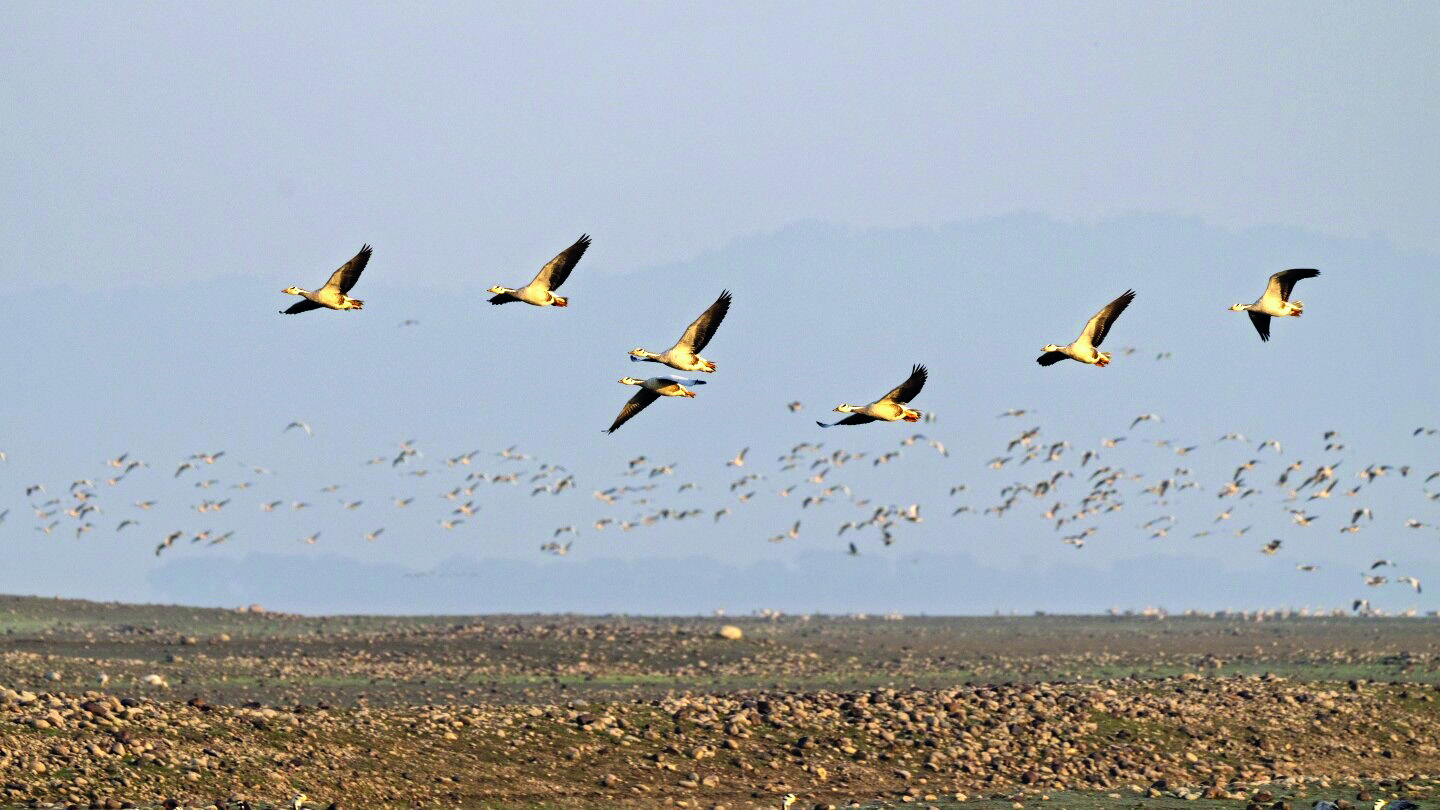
[1078, 493]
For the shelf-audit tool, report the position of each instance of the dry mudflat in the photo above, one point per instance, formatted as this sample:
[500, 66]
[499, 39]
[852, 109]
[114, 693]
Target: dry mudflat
[105, 705]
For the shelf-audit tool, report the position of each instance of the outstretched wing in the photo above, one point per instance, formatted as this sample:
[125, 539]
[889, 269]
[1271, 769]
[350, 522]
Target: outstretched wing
[700, 332]
[1099, 326]
[1262, 323]
[682, 380]
[852, 419]
[1050, 358]
[906, 391]
[552, 275]
[503, 298]
[636, 404]
[303, 305]
[1284, 281]
[349, 272]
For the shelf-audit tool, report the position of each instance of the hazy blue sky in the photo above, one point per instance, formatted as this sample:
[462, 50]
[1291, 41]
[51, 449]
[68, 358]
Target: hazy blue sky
[878, 184]
[174, 141]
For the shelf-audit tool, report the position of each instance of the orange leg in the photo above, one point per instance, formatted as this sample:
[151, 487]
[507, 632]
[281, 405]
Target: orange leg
[561, 302]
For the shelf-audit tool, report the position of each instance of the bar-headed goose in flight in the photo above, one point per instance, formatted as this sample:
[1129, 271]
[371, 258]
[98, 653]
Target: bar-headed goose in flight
[332, 295]
[1084, 348]
[1275, 302]
[541, 290]
[650, 390]
[685, 354]
[892, 407]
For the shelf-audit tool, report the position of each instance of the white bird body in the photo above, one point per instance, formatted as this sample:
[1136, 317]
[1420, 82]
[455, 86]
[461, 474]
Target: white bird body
[892, 407]
[1085, 347]
[685, 354]
[1275, 301]
[650, 390]
[540, 291]
[333, 294]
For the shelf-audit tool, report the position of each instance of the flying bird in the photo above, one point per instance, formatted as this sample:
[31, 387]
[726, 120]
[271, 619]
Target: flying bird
[685, 354]
[1275, 301]
[300, 425]
[1144, 417]
[892, 407]
[1084, 348]
[540, 291]
[333, 294]
[651, 390]
[168, 541]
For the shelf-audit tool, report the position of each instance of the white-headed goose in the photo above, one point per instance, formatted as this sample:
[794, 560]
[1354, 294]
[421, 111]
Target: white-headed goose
[332, 295]
[541, 290]
[685, 354]
[1275, 302]
[892, 407]
[1084, 348]
[650, 390]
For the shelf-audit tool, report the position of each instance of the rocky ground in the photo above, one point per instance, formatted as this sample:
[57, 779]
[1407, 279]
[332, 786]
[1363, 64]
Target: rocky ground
[217, 708]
